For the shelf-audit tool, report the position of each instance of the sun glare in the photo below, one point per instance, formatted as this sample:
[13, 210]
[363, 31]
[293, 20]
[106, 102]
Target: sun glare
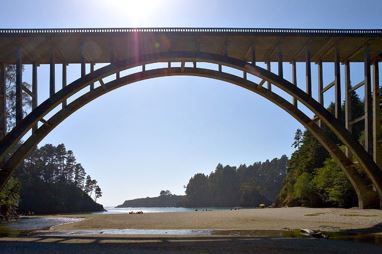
[137, 12]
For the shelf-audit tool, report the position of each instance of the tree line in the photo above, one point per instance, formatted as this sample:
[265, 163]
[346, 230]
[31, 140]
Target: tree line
[314, 179]
[50, 181]
[229, 186]
[54, 164]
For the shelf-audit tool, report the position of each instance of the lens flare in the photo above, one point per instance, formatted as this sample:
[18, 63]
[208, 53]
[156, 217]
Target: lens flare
[137, 12]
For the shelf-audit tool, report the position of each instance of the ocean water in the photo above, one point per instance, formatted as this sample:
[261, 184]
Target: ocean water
[113, 210]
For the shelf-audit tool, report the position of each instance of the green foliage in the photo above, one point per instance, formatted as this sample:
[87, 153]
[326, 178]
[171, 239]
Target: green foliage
[303, 187]
[303, 162]
[53, 182]
[333, 186]
[250, 195]
[314, 179]
[160, 201]
[165, 193]
[243, 186]
[98, 193]
[297, 139]
[9, 199]
[52, 198]
[198, 191]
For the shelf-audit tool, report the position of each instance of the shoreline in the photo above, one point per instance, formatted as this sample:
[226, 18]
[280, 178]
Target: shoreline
[324, 219]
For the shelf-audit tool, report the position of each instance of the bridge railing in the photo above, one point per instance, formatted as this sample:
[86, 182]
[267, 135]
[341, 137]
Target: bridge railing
[194, 30]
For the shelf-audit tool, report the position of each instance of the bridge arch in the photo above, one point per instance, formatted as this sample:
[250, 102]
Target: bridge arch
[365, 196]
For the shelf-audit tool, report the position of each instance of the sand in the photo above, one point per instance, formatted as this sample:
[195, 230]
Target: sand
[247, 219]
[325, 219]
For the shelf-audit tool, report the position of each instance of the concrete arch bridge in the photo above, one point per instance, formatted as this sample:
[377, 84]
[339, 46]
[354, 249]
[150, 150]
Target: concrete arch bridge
[240, 56]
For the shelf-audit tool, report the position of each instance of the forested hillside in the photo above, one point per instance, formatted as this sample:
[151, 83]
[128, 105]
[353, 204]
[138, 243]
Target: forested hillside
[165, 199]
[53, 182]
[49, 181]
[314, 179]
[230, 186]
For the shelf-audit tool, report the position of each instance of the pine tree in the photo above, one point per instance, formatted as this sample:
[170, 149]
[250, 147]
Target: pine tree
[98, 192]
[79, 176]
[88, 184]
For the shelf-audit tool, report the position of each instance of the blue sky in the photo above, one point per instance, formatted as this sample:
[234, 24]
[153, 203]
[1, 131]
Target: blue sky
[156, 134]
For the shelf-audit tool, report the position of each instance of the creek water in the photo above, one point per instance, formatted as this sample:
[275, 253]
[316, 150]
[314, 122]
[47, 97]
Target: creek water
[26, 225]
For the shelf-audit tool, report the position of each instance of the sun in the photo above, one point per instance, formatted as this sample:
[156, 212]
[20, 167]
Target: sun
[136, 12]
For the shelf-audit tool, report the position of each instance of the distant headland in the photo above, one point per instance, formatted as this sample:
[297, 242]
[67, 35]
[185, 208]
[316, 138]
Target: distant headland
[164, 200]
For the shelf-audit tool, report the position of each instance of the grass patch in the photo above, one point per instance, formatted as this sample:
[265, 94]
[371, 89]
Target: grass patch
[358, 215]
[313, 214]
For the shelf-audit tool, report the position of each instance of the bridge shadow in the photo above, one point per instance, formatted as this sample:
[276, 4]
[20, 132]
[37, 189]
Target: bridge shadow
[368, 235]
[377, 228]
[179, 244]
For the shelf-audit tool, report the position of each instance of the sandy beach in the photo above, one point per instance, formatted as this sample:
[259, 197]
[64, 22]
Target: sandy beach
[364, 221]
[325, 219]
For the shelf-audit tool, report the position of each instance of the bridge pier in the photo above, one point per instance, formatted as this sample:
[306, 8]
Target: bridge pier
[34, 91]
[368, 106]
[308, 74]
[64, 81]
[19, 83]
[3, 98]
[337, 86]
[377, 121]
[294, 80]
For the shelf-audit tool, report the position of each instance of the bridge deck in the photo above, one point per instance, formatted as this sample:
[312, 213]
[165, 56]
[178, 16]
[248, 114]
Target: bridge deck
[102, 45]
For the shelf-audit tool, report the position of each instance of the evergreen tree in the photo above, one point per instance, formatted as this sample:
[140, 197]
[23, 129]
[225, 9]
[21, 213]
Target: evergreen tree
[9, 199]
[313, 178]
[52, 182]
[297, 139]
[70, 166]
[79, 176]
[245, 186]
[98, 192]
[88, 185]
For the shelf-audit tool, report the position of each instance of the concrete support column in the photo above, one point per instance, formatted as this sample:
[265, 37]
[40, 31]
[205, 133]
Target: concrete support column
[253, 56]
[19, 82]
[269, 83]
[91, 70]
[368, 106]
[64, 81]
[83, 67]
[337, 86]
[3, 100]
[280, 65]
[34, 91]
[52, 75]
[348, 111]
[294, 80]
[308, 74]
[320, 83]
[377, 151]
